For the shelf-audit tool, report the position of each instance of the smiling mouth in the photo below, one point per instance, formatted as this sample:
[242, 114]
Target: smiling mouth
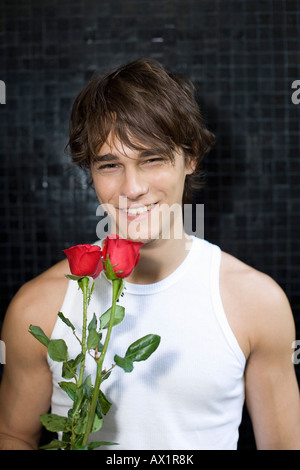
[138, 210]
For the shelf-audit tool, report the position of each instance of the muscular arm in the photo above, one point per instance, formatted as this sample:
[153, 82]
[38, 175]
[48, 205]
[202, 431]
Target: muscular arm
[261, 318]
[272, 393]
[26, 386]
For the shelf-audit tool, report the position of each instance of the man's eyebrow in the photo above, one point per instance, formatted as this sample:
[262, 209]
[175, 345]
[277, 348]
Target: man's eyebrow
[108, 157]
[148, 153]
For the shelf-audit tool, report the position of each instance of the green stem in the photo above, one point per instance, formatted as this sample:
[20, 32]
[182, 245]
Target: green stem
[83, 284]
[99, 376]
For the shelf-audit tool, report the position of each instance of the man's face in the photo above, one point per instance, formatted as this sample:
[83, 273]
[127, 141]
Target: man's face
[138, 188]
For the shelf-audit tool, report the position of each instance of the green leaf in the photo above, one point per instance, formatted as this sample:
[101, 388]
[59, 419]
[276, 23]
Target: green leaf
[105, 375]
[125, 363]
[38, 333]
[104, 402]
[55, 444]
[93, 339]
[55, 423]
[57, 350]
[93, 323]
[69, 388]
[97, 424]
[72, 277]
[66, 437]
[66, 372]
[108, 269]
[75, 362]
[121, 287]
[87, 387]
[83, 394]
[141, 349]
[80, 423]
[78, 401]
[105, 317]
[79, 447]
[94, 445]
[66, 320]
[91, 286]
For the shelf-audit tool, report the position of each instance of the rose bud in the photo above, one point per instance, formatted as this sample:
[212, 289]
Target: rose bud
[123, 255]
[84, 260]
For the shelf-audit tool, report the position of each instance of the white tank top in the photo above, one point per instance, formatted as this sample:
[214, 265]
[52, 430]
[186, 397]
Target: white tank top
[189, 394]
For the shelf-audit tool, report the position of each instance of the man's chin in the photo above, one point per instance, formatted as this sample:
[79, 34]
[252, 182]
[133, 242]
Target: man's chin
[143, 238]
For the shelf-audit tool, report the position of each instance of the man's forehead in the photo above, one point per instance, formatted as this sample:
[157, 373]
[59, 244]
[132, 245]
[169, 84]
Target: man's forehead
[114, 148]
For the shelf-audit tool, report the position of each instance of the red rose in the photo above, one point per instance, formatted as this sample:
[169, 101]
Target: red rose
[123, 254]
[84, 260]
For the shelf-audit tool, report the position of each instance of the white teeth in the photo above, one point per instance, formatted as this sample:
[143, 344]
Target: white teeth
[139, 210]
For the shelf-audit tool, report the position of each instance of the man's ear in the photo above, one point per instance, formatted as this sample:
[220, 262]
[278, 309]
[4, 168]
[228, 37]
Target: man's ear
[190, 165]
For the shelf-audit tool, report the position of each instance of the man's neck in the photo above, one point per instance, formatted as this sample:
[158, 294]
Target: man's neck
[159, 258]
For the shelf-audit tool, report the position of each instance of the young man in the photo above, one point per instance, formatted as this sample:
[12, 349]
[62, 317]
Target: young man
[226, 329]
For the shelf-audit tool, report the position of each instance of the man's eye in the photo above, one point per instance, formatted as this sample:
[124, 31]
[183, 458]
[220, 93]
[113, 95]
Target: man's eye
[154, 160]
[107, 166]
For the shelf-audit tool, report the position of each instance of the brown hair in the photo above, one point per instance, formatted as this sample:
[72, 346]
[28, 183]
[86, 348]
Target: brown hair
[145, 106]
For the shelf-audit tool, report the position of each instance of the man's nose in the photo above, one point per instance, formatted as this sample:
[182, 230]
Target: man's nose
[134, 184]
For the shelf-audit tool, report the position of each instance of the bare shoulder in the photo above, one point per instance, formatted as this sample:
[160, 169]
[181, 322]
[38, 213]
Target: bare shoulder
[39, 300]
[26, 385]
[235, 271]
[255, 304]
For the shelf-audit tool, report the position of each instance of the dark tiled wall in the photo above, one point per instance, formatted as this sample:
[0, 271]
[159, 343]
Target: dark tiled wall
[243, 56]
